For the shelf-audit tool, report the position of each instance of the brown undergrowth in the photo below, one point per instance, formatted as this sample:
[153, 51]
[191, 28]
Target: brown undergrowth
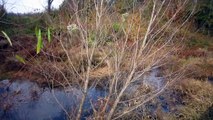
[114, 50]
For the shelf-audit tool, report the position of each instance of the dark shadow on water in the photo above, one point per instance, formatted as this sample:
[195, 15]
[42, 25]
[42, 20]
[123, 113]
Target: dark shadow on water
[207, 115]
[210, 79]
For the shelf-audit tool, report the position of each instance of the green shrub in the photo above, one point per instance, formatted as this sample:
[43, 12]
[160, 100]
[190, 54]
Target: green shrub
[204, 15]
[198, 43]
[91, 38]
[116, 27]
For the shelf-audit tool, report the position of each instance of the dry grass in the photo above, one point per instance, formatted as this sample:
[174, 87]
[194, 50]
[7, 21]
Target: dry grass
[198, 99]
[106, 45]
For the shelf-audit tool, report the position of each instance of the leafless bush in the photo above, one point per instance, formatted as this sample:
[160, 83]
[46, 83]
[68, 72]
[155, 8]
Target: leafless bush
[123, 47]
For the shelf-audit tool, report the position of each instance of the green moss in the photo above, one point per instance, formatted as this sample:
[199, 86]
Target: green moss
[198, 43]
[116, 27]
[4, 76]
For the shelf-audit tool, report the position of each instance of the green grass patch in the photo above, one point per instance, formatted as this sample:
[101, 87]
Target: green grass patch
[198, 43]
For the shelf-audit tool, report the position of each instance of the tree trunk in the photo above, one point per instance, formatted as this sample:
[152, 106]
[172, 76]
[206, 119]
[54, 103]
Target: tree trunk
[49, 4]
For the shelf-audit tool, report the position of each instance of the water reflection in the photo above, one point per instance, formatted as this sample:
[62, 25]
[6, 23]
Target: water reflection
[26, 100]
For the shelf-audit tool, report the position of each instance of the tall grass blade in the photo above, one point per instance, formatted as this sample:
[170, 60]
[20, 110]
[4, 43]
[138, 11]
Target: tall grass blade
[39, 41]
[7, 37]
[20, 59]
[49, 35]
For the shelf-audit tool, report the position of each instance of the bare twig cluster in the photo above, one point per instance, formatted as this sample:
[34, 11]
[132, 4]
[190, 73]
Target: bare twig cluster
[123, 47]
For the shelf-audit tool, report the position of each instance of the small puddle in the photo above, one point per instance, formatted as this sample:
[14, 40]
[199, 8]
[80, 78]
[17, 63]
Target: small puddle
[26, 100]
[154, 80]
[151, 80]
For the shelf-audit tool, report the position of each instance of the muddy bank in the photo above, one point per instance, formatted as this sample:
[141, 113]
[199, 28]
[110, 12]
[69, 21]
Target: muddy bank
[30, 67]
[22, 46]
[46, 67]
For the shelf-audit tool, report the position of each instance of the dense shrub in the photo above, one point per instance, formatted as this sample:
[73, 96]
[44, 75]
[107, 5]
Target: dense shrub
[204, 16]
[3, 15]
[2, 11]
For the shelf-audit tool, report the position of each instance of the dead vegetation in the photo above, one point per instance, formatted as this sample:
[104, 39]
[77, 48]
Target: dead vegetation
[113, 49]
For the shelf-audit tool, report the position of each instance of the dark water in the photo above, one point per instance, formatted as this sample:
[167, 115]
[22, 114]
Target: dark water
[210, 79]
[24, 100]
